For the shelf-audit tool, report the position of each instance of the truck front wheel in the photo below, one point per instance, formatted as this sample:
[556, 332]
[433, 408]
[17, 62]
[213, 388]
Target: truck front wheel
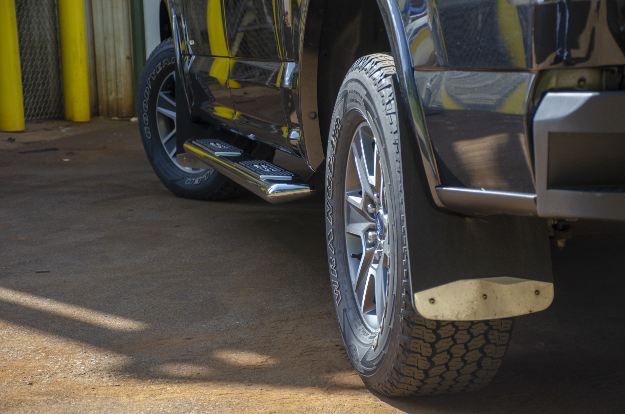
[395, 350]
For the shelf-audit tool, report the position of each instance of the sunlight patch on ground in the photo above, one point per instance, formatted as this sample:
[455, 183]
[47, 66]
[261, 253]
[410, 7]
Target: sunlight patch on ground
[101, 319]
[244, 358]
[182, 370]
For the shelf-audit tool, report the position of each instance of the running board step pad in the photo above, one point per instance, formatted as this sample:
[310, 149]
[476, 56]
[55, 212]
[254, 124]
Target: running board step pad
[263, 178]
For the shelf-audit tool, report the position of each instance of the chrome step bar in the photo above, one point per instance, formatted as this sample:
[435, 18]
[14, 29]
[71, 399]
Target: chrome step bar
[270, 182]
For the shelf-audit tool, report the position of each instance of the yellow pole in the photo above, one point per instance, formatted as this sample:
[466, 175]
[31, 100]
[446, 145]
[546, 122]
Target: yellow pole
[11, 96]
[74, 57]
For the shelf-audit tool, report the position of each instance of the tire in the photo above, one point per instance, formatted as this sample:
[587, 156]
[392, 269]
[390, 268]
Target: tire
[157, 119]
[396, 351]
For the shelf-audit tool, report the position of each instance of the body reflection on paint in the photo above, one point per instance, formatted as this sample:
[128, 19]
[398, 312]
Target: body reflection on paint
[476, 121]
[238, 71]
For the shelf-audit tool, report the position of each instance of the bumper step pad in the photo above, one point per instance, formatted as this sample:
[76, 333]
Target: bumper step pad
[270, 182]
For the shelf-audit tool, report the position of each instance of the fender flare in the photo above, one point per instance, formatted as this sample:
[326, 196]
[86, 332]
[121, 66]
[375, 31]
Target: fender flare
[309, 47]
[409, 93]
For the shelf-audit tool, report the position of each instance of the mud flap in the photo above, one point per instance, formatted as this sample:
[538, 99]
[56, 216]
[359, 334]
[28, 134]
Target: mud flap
[186, 126]
[472, 268]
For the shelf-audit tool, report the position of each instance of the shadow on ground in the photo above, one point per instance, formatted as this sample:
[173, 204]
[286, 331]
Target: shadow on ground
[155, 288]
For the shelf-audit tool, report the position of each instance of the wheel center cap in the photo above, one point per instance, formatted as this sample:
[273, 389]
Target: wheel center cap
[379, 226]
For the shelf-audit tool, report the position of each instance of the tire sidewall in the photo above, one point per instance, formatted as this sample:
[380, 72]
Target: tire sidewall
[361, 100]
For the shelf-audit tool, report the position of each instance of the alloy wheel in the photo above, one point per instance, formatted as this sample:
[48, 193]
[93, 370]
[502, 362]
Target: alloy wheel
[366, 226]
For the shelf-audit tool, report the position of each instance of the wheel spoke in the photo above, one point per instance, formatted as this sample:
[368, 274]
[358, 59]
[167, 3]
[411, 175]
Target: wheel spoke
[363, 268]
[378, 179]
[354, 201]
[368, 296]
[379, 185]
[169, 136]
[358, 229]
[166, 112]
[380, 289]
[166, 101]
[166, 104]
[361, 169]
[368, 148]
[356, 207]
[362, 277]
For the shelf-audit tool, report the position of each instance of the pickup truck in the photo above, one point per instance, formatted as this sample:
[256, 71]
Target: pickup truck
[453, 138]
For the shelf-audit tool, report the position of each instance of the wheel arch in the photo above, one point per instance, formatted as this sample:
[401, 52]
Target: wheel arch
[335, 35]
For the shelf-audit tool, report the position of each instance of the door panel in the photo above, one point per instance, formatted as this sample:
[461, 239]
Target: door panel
[255, 32]
[238, 73]
[253, 29]
[255, 89]
[210, 95]
[205, 28]
[207, 69]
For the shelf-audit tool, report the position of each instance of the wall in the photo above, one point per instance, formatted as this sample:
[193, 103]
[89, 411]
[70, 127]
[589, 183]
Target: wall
[110, 56]
[152, 29]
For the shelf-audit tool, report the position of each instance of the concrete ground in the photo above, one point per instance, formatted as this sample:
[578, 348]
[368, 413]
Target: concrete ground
[116, 296]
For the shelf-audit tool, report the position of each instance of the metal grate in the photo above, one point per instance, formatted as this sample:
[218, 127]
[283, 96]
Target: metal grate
[40, 57]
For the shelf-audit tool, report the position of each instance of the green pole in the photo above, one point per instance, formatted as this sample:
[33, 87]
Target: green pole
[138, 40]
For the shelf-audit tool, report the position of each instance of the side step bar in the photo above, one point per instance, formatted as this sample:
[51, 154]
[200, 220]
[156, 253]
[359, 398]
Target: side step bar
[262, 178]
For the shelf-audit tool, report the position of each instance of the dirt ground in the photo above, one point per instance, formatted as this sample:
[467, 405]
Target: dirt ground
[116, 297]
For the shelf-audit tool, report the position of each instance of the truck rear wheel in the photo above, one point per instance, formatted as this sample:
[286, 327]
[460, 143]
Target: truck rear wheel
[157, 124]
[395, 350]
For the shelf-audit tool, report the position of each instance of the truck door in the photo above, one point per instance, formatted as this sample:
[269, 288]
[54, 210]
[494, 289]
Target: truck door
[258, 71]
[208, 63]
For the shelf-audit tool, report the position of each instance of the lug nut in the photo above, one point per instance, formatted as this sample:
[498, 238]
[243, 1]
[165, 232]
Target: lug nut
[372, 209]
[484, 296]
[537, 292]
[432, 301]
[372, 237]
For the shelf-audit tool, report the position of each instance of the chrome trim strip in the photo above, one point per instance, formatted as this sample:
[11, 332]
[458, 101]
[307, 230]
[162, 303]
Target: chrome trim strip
[484, 202]
[270, 190]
